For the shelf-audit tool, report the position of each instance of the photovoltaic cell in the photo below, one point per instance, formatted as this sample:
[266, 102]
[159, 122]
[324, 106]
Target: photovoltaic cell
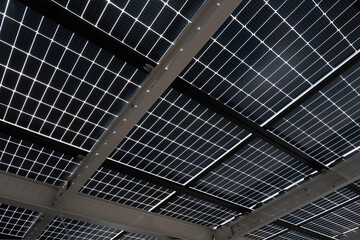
[292, 235]
[177, 138]
[117, 187]
[136, 236]
[327, 125]
[57, 84]
[265, 232]
[14, 221]
[255, 174]
[337, 223]
[71, 229]
[320, 206]
[266, 54]
[197, 211]
[149, 27]
[357, 183]
[32, 161]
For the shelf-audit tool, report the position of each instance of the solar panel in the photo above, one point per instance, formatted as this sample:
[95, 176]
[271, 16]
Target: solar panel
[136, 236]
[14, 221]
[177, 138]
[197, 211]
[320, 206]
[117, 187]
[57, 84]
[265, 232]
[149, 27]
[267, 53]
[35, 162]
[255, 174]
[70, 229]
[337, 223]
[292, 235]
[326, 126]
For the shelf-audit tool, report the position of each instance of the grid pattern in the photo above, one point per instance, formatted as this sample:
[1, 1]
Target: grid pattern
[337, 223]
[255, 174]
[265, 232]
[292, 235]
[267, 53]
[177, 138]
[149, 27]
[16, 221]
[197, 211]
[32, 161]
[57, 84]
[71, 229]
[136, 236]
[327, 125]
[357, 183]
[320, 206]
[114, 186]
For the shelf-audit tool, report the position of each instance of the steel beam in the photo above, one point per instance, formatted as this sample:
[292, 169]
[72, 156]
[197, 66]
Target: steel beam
[84, 29]
[245, 123]
[119, 167]
[328, 78]
[25, 193]
[37, 139]
[299, 229]
[340, 176]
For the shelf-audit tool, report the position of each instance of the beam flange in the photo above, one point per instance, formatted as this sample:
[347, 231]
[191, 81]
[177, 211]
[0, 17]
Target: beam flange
[25, 193]
[321, 185]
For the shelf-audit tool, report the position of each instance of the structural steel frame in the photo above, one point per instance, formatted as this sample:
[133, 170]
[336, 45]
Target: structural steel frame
[67, 202]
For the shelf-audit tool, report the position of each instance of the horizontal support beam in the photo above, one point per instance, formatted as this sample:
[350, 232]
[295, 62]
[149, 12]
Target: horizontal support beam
[81, 27]
[301, 230]
[37, 196]
[40, 140]
[122, 168]
[5, 237]
[258, 131]
[345, 66]
[340, 176]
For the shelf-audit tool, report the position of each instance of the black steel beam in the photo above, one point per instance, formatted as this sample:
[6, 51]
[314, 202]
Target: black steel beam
[3, 237]
[344, 204]
[79, 26]
[223, 159]
[141, 175]
[354, 188]
[119, 236]
[228, 113]
[341, 70]
[37, 139]
[301, 230]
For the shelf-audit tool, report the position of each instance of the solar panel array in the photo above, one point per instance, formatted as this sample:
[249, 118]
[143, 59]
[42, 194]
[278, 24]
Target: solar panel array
[16, 221]
[149, 27]
[264, 58]
[57, 84]
[61, 228]
[333, 216]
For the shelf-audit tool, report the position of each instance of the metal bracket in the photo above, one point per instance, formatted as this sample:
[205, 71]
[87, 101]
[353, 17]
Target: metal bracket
[148, 68]
[59, 195]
